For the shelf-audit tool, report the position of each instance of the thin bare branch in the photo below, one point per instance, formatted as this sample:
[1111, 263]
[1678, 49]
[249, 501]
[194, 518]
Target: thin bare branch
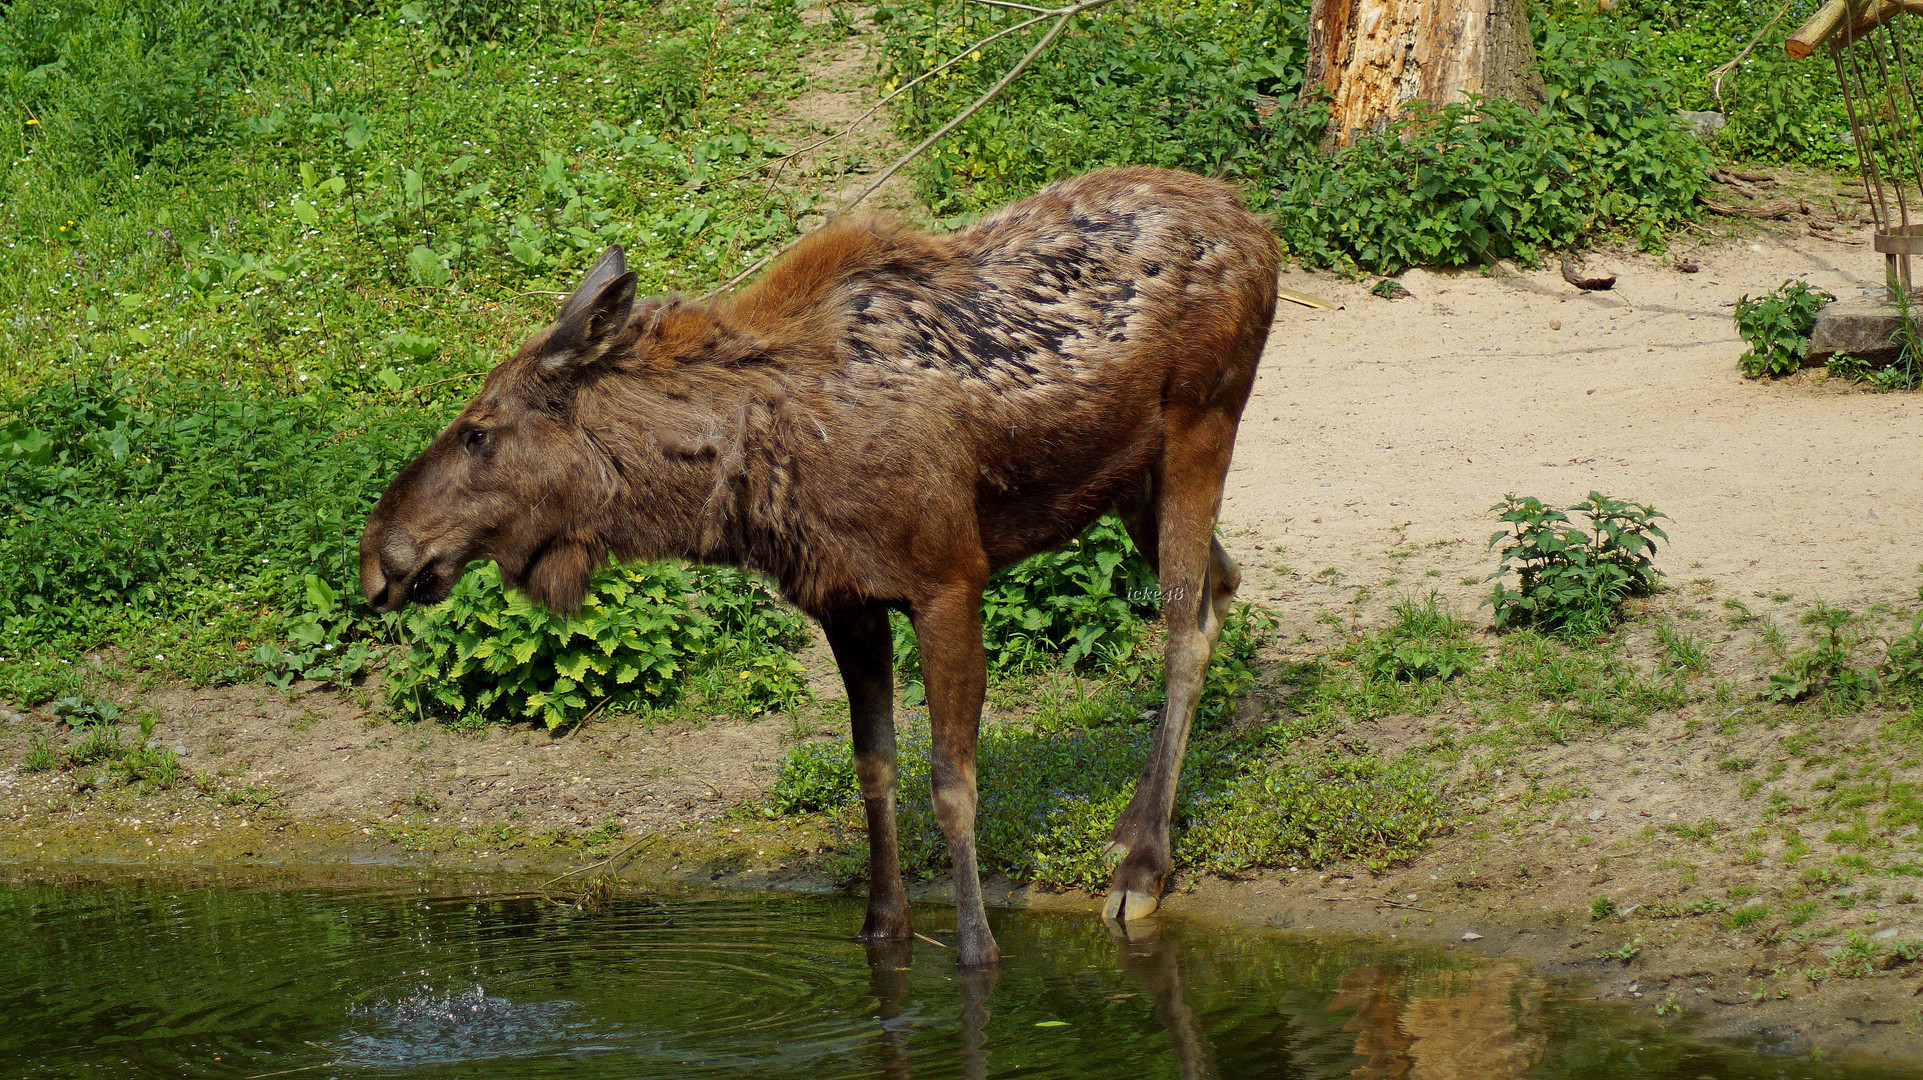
[1020, 7]
[1062, 18]
[990, 95]
[1716, 77]
[892, 95]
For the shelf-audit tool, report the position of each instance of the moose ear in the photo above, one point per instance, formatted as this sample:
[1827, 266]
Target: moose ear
[593, 314]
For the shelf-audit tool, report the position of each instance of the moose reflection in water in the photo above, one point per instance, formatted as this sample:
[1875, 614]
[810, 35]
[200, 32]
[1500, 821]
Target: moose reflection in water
[1480, 1023]
[880, 422]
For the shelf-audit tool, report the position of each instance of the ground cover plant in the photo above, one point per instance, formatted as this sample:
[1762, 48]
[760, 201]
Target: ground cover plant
[1776, 109]
[258, 250]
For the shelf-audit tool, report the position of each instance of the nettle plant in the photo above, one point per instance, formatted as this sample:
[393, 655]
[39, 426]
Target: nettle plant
[642, 635]
[1088, 605]
[1777, 326]
[1573, 581]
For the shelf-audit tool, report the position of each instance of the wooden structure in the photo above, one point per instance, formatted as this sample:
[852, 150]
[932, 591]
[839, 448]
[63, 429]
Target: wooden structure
[1880, 73]
[1373, 56]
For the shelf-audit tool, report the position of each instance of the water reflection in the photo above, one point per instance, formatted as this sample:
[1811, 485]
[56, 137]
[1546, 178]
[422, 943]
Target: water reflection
[142, 980]
[1146, 956]
[1484, 1022]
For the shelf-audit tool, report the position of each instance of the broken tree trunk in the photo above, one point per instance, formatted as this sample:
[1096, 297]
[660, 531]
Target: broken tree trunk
[1373, 57]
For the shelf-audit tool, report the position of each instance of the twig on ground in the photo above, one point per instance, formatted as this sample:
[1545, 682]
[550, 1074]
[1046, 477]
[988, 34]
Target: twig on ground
[582, 724]
[930, 940]
[1377, 899]
[1781, 208]
[622, 854]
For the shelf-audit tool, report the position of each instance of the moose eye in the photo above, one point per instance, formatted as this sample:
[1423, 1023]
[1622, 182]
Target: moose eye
[474, 438]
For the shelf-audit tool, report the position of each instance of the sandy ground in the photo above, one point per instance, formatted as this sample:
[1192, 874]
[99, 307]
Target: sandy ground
[1403, 421]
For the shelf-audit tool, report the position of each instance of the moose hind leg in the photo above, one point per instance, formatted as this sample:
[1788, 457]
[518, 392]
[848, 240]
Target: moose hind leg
[1198, 581]
[864, 648]
[955, 673]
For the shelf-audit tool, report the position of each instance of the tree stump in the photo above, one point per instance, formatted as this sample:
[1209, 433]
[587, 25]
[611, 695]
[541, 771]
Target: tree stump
[1372, 57]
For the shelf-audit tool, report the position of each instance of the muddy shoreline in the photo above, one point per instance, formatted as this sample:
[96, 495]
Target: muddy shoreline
[1680, 974]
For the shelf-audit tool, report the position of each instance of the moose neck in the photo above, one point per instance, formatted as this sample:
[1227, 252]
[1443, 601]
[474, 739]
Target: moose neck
[697, 461]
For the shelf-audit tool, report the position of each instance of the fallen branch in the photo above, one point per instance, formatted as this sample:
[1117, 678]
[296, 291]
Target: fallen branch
[1769, 211]
[1574, 274]
[1378, 899]
[1830, 236]
[622, 854]
[1305, 299]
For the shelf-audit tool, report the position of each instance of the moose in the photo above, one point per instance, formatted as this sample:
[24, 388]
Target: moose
[879, 422]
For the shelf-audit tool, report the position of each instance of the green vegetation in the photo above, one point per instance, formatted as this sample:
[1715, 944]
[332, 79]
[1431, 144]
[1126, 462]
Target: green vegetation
[1777, 109]
[1573, 581]
[1423, 642]
[1217, 87]
[1049, 799]
[259, 247]
[1777, 326]
[640, 635]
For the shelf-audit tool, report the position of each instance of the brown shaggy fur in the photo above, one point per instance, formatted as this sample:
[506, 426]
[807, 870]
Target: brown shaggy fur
[881, 421]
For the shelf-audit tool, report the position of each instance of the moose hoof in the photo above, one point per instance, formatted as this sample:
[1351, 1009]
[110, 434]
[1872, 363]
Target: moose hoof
[1127, 905]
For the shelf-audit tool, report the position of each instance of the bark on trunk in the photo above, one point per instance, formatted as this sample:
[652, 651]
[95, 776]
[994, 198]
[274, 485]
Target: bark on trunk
[1372, 57]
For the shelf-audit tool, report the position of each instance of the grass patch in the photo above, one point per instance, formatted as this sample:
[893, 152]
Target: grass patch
[1049, 799]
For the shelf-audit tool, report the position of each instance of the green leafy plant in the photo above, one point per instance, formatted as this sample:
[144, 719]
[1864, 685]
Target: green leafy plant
[1829, 667]
[1777, 327]
[1424, 642]
[642, 634]
[496, 654]
[1573, 581]
[1087, 605]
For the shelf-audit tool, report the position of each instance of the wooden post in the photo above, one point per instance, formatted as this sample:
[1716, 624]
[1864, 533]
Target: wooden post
[1374, 56]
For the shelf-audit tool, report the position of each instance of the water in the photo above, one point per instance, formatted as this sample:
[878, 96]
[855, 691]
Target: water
[148, 979]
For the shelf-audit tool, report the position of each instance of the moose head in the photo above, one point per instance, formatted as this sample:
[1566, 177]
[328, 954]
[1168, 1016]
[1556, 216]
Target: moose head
[507, 480]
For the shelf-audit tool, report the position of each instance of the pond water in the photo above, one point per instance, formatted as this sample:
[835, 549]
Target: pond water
[151, 979]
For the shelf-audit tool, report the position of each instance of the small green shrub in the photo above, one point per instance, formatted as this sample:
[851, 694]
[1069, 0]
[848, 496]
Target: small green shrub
[489, 653]
[1087, 605]
[1424, 642]
[1682, 654]
[42, 755]
[1600, 908]
[1777, 326]
[1573, 581]
[1829, 666]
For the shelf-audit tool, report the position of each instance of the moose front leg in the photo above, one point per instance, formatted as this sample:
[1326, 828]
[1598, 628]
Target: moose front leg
[1198, 584]
[864, 650]
[954, 669]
